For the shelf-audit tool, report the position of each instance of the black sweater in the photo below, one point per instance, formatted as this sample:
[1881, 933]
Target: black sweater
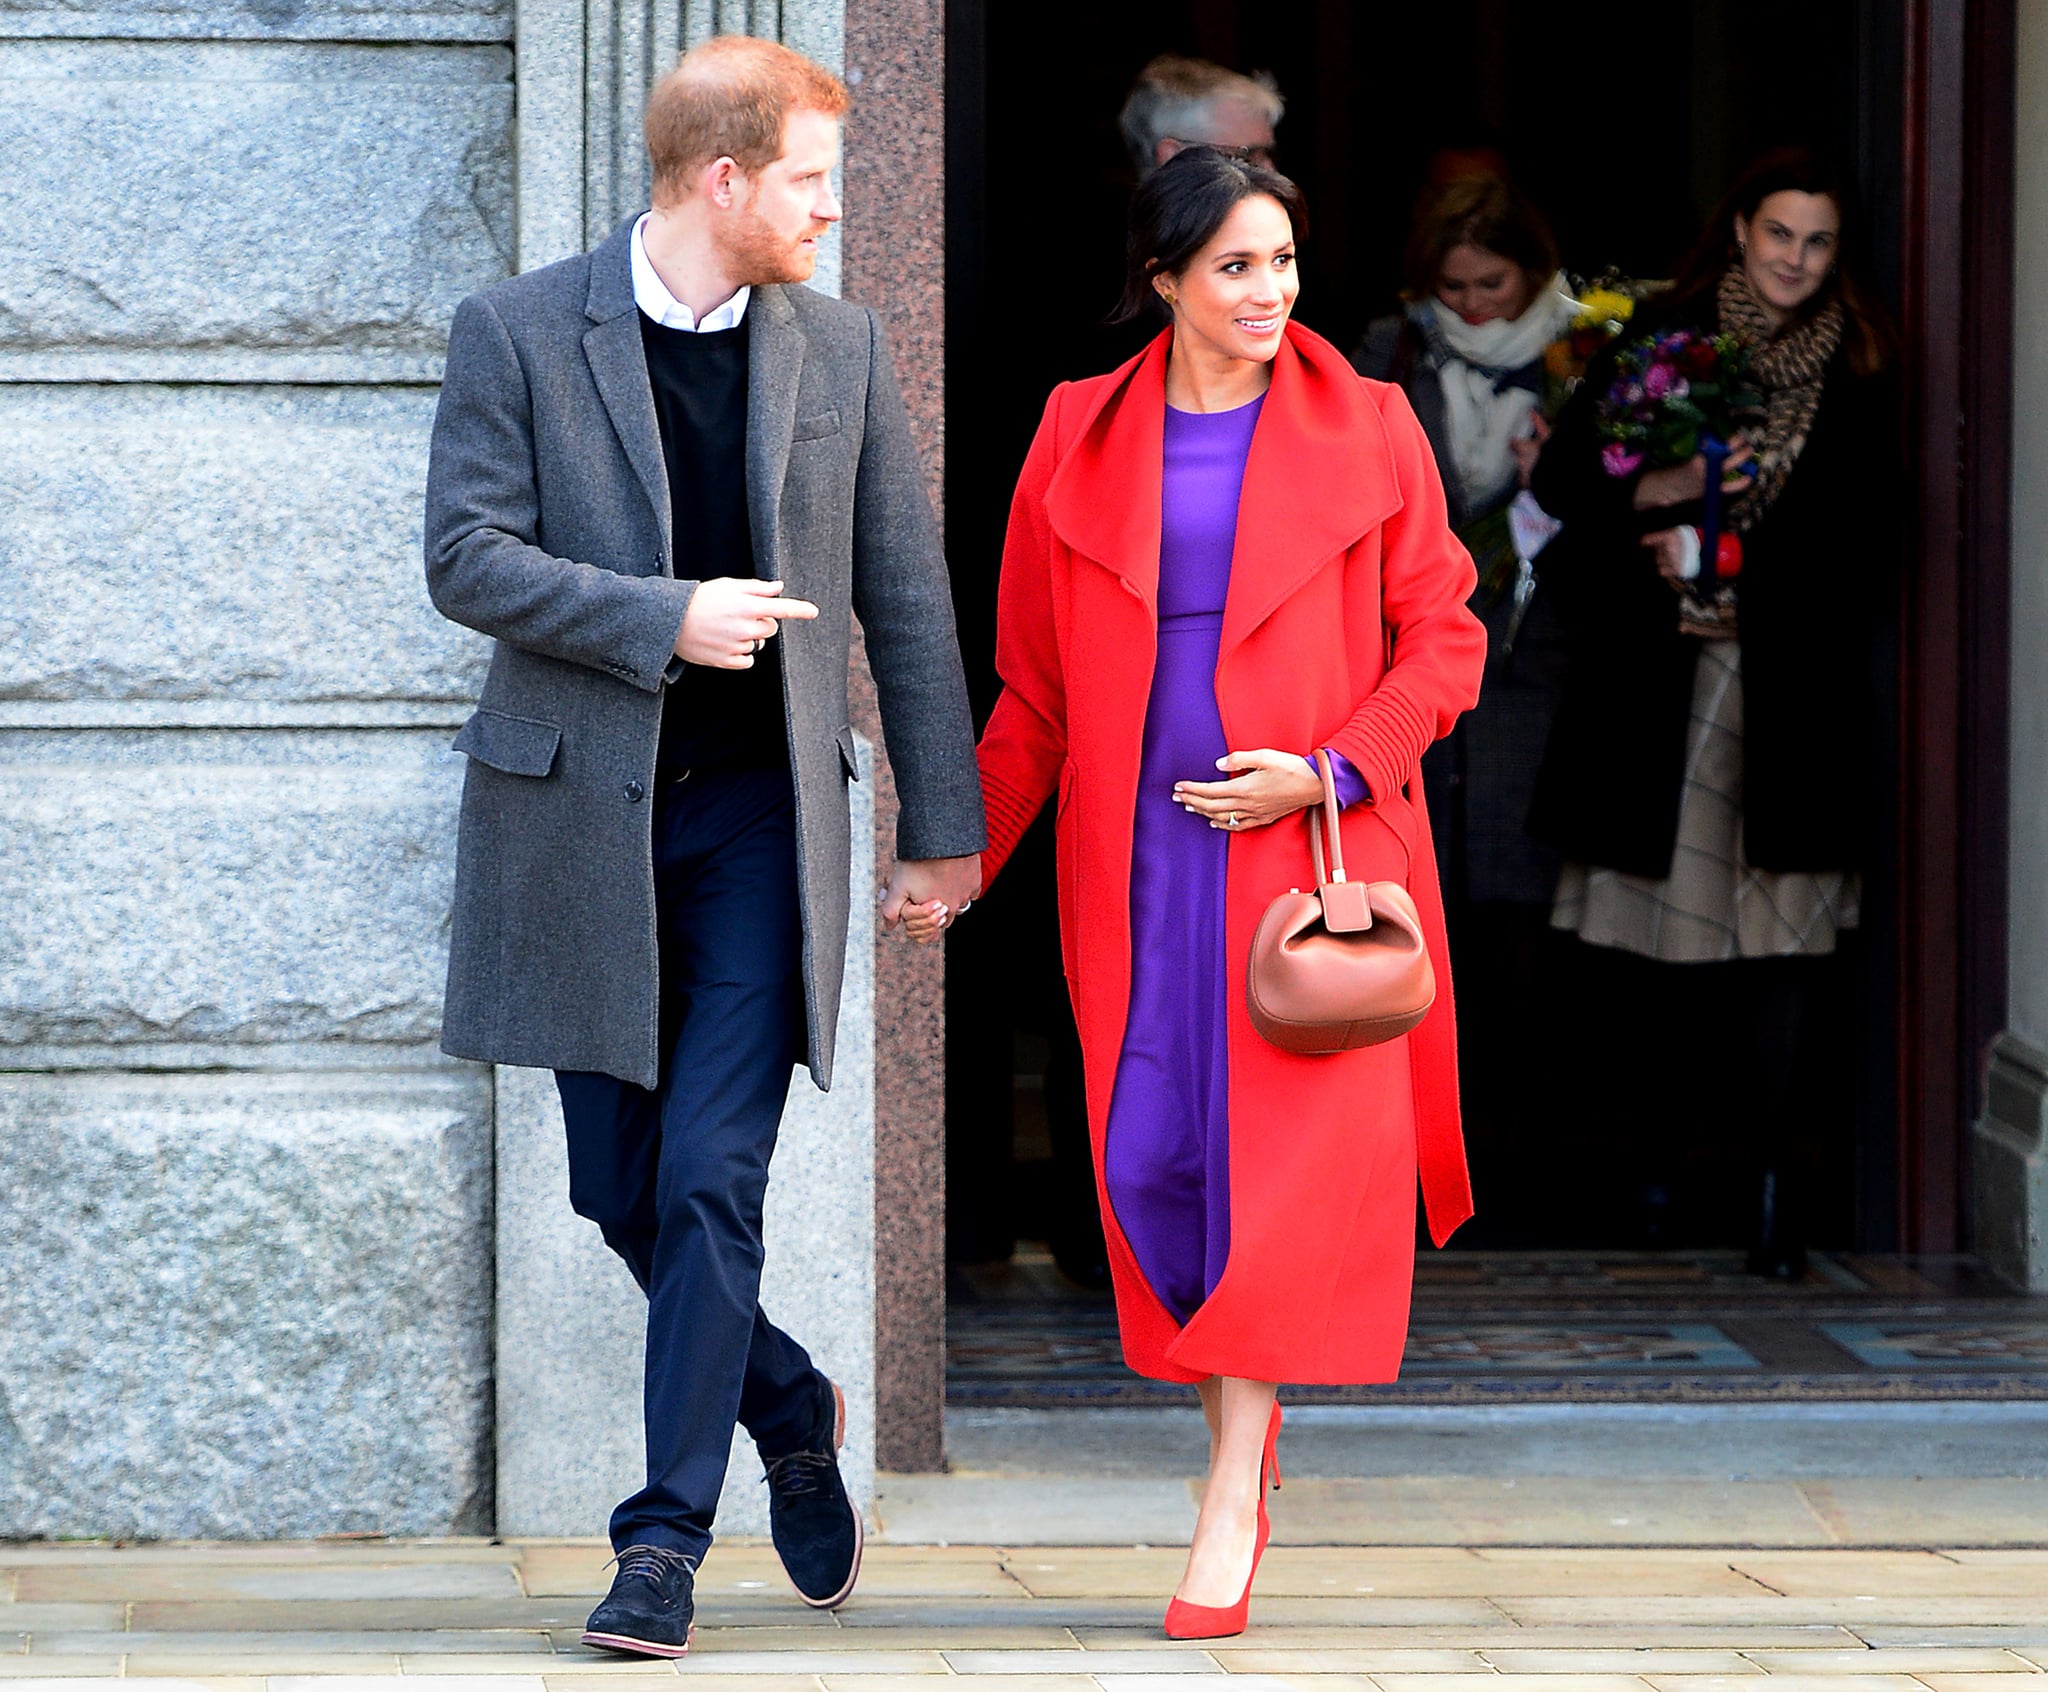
[732, 717]
[1819, 576]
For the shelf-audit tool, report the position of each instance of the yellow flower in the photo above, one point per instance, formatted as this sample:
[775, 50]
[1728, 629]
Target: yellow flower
[1601, 307]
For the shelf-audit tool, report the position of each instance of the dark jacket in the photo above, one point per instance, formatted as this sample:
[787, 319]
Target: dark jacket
[1818, 572]
[1481, 777]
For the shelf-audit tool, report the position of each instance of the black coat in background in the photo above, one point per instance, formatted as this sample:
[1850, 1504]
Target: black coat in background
[1819, 570]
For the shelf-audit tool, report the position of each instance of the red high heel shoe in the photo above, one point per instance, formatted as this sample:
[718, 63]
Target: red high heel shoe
[1207, 1621]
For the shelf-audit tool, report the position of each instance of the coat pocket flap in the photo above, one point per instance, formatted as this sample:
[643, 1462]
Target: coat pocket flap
[849, 754]
[816, 428]
[516, 745]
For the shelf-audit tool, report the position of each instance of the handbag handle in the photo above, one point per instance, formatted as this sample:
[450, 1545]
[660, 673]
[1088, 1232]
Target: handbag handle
[1326, 821]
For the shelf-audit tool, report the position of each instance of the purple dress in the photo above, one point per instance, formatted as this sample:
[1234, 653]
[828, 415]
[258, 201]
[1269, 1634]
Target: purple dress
[1166, 1151]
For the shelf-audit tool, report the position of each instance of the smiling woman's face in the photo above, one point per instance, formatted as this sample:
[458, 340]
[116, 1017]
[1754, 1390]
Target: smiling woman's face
[1235, 295]
[1789, 248]
[1481, 286]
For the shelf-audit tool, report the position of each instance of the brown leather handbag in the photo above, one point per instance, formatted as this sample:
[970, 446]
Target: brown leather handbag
[1342, 967]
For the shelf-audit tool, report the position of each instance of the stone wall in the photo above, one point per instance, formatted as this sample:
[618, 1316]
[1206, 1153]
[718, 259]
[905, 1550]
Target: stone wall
[251, 1280]
[245, 1257]
[2009, 1159]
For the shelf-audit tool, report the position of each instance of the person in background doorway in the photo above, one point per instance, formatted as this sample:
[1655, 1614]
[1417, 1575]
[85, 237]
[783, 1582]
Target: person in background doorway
[1712, 791]
[1233, 529]
[1181, 102]
[1484, 302]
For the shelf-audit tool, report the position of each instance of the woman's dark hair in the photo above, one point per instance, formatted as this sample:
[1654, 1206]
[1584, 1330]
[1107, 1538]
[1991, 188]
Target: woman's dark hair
[1178, 209]
[1476, 211]
[1868, 339]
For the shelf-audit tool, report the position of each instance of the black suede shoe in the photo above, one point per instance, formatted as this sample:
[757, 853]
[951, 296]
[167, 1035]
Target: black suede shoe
[651, 1606]
[817, 1530]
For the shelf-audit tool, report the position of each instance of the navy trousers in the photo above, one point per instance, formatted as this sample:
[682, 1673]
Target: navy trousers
[676, 1178]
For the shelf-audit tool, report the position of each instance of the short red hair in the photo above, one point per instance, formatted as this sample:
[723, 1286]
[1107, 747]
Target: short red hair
[730, 98]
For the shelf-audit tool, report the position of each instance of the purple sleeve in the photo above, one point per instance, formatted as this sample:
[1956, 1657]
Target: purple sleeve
[1351, 787]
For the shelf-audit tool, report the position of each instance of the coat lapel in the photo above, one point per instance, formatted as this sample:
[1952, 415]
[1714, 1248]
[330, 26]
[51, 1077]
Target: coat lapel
[775, 362]
[618, 364]
[1103, 500]
[1319, 478]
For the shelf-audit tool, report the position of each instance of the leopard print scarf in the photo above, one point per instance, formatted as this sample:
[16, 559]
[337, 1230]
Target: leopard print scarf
[1788, 371]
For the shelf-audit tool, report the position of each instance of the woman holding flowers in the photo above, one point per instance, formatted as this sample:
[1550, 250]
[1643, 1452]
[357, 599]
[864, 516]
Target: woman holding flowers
[1707, 779]
[1474, 348]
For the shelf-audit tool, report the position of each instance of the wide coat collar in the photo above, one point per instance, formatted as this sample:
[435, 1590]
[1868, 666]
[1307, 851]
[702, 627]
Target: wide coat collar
[618, 365]
[1320, 477]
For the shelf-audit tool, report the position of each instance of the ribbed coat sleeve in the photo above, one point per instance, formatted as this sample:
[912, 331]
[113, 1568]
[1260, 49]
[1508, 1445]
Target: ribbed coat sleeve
[1436, 647]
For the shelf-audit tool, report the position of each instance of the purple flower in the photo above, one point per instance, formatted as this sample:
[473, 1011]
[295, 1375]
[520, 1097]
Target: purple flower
[1657, 381]
[1617, 460]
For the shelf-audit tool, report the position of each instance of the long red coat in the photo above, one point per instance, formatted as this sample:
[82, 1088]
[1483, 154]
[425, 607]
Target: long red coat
[1345, 626]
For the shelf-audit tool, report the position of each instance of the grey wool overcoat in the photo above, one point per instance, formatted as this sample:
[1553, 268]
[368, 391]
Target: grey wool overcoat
[548, 529]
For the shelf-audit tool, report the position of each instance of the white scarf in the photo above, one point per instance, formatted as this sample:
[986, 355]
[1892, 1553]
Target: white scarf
[1483, 418]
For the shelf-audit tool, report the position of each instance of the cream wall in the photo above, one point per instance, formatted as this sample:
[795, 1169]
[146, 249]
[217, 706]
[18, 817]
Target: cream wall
[2011, 1154]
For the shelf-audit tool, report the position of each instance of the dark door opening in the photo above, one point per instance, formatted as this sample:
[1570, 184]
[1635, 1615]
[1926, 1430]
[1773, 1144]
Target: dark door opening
[1625, 145]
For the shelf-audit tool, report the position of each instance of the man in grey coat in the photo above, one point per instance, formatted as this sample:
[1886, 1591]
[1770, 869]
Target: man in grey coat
[664, 479]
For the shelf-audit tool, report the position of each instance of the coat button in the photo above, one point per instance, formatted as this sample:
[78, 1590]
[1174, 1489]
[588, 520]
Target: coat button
[635, 792]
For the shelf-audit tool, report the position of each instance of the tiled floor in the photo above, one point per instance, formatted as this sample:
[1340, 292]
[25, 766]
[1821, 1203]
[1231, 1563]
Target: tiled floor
[477, 1617]
[1587, 1326]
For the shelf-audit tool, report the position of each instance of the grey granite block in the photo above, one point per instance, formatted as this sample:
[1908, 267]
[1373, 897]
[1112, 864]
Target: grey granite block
[224, 886]
[259, 20]
[251, 544]
[246, 199]
[247, 1306]
[571, 1323]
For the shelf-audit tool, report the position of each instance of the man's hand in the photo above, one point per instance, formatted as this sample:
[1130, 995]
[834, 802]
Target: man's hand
[940, 887]
[730, 618]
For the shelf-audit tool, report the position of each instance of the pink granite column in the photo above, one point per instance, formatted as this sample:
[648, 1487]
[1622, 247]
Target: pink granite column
[895, 262]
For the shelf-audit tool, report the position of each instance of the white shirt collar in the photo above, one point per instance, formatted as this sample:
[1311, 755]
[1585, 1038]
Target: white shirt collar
[651, 295]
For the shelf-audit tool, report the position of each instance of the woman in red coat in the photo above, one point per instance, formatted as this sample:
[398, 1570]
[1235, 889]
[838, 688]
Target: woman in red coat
[1223, 556]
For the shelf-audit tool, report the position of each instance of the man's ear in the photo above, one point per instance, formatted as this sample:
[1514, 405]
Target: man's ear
[715, 182]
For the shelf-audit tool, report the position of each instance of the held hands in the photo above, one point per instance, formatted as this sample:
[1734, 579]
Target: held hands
[730, 619]
[926, 895]
[1681, 482]
[1271, 785]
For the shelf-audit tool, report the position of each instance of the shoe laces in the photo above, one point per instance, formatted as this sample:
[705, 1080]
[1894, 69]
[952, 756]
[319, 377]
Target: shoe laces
[654, 1564]
[799, 1473]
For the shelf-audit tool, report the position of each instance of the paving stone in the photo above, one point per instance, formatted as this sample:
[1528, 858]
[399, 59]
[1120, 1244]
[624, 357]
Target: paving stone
[1920, 1574]
[1508, 1682]
[827, 1662]
[1653, 1611]
[1934, 1511]
[1263, 1660]
[82, 1668]
[958, 1509]
[1641, 1660]
[397, 1683]
[1540, 1510]
[36, 1617]
[1185, 1660]
[1789, 1683]
[1936, 1660]
[360, 1615]
[956, 1683]
[169, 1647]
[1964, 1682]
[197, 1586]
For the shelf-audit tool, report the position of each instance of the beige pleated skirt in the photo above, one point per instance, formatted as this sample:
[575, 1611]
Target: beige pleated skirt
[1713, 906]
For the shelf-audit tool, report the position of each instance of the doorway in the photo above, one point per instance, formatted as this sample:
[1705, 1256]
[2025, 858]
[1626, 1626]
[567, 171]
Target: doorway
[1038, 182]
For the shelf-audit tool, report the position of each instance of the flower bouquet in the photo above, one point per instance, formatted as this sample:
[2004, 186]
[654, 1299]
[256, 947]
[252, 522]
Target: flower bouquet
[1676, 395]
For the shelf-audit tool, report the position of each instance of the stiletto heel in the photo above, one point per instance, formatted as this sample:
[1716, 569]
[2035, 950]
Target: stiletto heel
[1208, 1621]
